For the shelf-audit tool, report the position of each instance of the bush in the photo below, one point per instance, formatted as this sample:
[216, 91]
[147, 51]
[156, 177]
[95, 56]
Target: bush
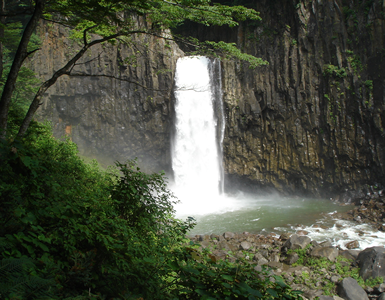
[334, 71]
[87, 229]
[71, 231]
[198, 275]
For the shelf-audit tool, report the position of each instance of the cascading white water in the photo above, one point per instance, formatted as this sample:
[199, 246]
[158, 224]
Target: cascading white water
[196, 157]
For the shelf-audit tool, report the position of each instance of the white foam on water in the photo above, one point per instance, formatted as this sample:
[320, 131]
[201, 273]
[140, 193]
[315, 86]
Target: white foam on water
[344, 232]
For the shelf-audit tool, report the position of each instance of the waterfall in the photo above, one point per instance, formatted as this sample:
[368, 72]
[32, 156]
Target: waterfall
[199, 126]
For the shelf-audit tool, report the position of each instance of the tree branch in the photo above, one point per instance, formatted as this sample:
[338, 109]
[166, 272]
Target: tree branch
[63, 71]
[33, 51]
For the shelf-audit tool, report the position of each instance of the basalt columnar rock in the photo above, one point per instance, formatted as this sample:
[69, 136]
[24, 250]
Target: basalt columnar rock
[310, 122]
[112, 119]
[313, 119]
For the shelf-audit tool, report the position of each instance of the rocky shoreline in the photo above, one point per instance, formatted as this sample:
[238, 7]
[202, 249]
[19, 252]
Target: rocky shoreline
[320, 270]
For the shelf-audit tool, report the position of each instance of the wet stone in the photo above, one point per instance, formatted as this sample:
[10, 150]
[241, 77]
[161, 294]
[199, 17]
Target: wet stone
[352, 245]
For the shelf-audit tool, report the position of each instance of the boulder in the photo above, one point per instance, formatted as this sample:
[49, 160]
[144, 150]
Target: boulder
[350, 254]
[245, 245]
[203, 237]
[312, 294]
[229, 235]
[291, 258]
[330, 253]
[285, 236]
[325, 244]
[349, 289]
[224, 246]
[322, 297]
[297, 242]
[352, 245]
[371, 262]
[260, 259]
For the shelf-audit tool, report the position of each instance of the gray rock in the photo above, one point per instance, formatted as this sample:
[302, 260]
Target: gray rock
[245, 245]
[275, 265]
[223, 245]
[323, 297]
[214, 237]
[260, 259]
[264, 253]
[285, 236]
[350, 254]
[229, 235]
[330, 253]
[352, 245]
[297, 242]
[349, 289]
[312, 294]
[291, 258]
[325, 244]
[274, 257]
[372, 262]
[203, 237]
[335, 278]
[205, 244]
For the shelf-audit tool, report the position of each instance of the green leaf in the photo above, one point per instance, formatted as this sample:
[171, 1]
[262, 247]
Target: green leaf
[227, 277]
[226, 285]
[272, 292]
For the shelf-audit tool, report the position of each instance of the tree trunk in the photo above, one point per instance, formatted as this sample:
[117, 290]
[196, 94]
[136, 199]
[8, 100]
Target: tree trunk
[2, 22]
[20, 56]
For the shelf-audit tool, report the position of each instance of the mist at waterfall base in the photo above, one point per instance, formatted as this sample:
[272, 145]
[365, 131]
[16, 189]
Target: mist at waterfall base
[197, 165]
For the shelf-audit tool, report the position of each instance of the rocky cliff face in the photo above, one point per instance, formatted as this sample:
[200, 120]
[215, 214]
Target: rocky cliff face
[112, 119]
[313, 120]
[310, 122]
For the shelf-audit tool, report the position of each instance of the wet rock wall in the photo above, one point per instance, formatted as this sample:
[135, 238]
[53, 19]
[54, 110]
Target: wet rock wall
[112, 119]
[312, 121]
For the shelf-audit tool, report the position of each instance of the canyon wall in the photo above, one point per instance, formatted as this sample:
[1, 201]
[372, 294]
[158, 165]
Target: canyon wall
[124, 109]
[311, 122]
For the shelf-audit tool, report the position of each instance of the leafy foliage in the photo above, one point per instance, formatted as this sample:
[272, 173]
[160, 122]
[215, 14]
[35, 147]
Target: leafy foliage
[71, 231]
[17, 282]
[334, 71]
[201, 276]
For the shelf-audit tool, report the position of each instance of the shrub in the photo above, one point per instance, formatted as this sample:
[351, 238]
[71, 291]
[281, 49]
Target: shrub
[71, 231]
